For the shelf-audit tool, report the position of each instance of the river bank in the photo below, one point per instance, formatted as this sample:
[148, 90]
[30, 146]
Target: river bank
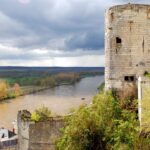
[43, 84]
[27, 90]
[34, 89]
[21, 81]
[60, 100]
[11, 88]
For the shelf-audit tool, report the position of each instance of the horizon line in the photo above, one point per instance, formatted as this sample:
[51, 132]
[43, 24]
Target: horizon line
[54, 66]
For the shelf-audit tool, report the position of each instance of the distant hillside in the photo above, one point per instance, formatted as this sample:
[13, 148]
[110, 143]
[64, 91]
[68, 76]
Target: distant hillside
[44, 71]
[51, 69]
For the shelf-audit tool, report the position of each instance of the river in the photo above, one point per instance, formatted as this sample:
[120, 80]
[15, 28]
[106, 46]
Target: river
[60, 99]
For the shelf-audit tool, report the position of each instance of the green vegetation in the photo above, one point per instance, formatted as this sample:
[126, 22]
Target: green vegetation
[45, 81]
[34, 79]
[106, 124]
[9, 92]
[145, 103]
[49, 80]
[23, 81]
[58, 79]
[3, 89]
[88, 74]
[13, 87]
[147, 74]
[41, 114]
[18, 84]
[101, 87]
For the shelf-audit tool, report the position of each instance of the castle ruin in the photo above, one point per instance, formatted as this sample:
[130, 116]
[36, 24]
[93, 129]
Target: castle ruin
[127, 44]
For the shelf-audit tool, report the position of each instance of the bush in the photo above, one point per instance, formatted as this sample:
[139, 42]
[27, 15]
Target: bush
[101, 87]
[41, 114]
[81, 132]
[103, 125]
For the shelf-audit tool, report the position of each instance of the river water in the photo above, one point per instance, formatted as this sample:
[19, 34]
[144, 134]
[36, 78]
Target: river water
[60, 100]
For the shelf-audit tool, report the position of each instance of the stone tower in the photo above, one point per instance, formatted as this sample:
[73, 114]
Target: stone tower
[127, 44]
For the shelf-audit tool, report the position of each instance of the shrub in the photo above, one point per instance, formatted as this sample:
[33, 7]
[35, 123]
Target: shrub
[129, 92]
[81, 132]
[105, 124]
[41, 114]
[101, 87]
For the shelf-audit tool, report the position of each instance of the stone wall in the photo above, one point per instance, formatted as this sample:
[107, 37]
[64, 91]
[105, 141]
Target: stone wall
[43, 135]
[23, 123]
[39, 135]
[10, 148]
[11, 144]
[127, 44]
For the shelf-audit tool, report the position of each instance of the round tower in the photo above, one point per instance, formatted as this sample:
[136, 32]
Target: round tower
[127, 44]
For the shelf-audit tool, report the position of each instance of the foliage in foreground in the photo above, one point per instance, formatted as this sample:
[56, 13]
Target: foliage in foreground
[101, 87]
[102, 125]
[41, 114]
[145, 104]
[147, 74]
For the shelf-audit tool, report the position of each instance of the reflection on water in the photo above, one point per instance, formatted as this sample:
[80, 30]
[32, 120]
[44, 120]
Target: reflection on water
[60, 99]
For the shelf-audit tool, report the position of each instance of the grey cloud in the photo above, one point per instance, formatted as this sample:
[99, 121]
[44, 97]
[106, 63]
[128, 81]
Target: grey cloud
[43, 54]
[66, 25]
[89, 41]
[42, 21]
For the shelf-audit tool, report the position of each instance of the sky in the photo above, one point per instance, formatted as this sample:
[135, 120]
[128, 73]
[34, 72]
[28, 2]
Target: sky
[53, 32]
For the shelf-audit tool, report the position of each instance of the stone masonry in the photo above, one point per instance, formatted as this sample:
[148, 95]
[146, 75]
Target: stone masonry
[127, 44]
[37, 135]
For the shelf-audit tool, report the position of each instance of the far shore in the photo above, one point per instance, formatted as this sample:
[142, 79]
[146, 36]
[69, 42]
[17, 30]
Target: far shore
[27, 90]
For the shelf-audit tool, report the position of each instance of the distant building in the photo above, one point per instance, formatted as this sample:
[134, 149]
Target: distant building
[8, 139]
[5, 134]
[127, 45]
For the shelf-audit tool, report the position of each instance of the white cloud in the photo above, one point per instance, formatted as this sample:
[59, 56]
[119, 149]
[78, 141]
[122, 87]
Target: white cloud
[87, 60]
[12, 56]
[24, 1]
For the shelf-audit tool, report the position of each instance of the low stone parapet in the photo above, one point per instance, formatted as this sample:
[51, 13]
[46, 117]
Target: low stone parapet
[38, 135]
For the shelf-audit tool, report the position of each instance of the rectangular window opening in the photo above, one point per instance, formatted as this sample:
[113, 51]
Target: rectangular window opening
[118, 40]
[129, 78]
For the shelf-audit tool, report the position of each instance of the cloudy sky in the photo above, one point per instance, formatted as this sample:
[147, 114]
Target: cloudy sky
[53, 32]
